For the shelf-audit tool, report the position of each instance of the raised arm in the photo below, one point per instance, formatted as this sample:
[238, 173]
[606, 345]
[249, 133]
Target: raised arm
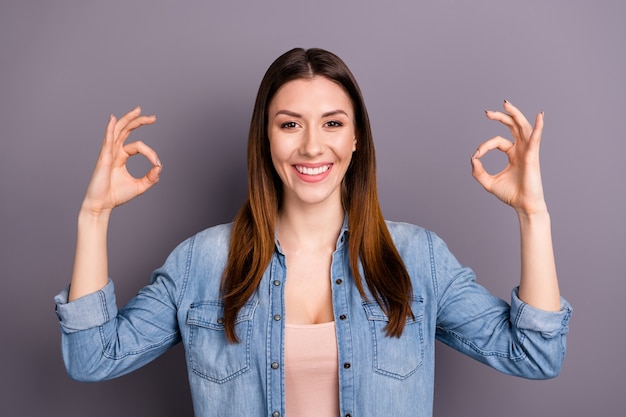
[110, 186]
[519, 185]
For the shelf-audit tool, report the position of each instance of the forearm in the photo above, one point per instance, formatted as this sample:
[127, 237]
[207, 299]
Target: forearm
[538, 283]
[90, 263]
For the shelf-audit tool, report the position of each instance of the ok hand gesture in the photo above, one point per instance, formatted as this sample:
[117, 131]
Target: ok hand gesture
[111, 184]
[519, 183]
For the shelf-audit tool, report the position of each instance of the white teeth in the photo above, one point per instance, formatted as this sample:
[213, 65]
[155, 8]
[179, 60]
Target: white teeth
[312, 171]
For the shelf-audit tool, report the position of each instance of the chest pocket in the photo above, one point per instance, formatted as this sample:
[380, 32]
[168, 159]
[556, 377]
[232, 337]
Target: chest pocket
[397, 357]
[208, 352]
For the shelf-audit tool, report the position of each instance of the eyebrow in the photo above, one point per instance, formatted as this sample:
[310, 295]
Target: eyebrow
[327, 114]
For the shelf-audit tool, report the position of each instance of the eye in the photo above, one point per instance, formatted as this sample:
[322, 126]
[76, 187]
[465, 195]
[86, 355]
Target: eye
[288, 125]
[334, 123]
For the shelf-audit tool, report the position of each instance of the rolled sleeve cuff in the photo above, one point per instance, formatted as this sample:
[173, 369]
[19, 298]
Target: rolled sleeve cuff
[548, 323]
[86, 312]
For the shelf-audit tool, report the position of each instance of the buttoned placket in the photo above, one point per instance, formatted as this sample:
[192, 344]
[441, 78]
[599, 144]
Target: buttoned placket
[276, 332]
[339, 273]
[276, 328]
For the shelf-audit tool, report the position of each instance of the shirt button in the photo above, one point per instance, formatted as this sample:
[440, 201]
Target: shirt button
[346, 365]
[275, 414]
[342, 317]
[275, 365]
[338, 281]
[277, 317]
[276, 282]
[348, 415]
[220, 320]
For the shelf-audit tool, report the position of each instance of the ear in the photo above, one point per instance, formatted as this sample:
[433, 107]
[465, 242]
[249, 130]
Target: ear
[354, 143]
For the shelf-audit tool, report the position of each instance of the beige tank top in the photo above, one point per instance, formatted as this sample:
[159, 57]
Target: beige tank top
[311, 375]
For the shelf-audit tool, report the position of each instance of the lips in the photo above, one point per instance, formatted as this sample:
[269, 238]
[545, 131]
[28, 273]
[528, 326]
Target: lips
[312, 171]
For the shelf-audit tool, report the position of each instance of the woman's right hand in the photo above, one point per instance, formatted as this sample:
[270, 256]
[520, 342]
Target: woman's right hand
[111, 184]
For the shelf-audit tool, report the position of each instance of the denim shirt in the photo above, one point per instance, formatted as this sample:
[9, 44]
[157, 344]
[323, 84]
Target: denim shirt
[378, 375]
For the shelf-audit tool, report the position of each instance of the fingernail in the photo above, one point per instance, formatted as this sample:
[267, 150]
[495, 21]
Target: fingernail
[542, 113]
[506, 101]
[159, 163]
[475, 154]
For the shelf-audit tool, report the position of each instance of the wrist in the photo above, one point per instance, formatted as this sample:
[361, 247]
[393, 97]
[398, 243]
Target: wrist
[536, 211]
[86, 215]
[534, 220]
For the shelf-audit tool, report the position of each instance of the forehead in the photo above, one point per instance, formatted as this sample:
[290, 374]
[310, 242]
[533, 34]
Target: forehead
[316, 93]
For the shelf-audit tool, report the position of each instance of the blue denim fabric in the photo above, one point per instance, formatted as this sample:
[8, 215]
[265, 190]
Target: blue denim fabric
[378, 375]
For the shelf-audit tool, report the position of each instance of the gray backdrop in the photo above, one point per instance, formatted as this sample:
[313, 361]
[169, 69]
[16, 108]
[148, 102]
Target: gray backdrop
[428, 69]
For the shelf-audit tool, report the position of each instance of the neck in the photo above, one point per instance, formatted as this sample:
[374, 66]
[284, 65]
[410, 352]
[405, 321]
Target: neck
[311, 226]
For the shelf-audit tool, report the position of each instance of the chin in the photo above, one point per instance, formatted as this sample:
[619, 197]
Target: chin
[315, 198]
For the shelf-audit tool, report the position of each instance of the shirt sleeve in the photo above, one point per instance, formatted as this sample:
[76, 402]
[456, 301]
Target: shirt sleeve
[548, 323]
[514, 338]
[89, 311]
[100, 341]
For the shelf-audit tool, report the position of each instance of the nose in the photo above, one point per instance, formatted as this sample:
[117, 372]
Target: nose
[311, 144]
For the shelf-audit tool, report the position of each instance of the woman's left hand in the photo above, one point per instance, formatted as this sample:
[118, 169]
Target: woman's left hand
[519, 183]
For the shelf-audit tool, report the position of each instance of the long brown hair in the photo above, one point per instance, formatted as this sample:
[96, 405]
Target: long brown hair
[252, 240]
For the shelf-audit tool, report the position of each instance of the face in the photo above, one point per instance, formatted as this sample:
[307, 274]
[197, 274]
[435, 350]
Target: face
[312, 136]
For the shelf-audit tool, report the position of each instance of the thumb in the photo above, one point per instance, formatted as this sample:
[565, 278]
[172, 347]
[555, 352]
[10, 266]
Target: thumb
[151, 178]
[479, 172]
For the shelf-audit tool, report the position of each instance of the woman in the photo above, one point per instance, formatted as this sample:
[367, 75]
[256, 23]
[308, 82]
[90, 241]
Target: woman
[310, 303]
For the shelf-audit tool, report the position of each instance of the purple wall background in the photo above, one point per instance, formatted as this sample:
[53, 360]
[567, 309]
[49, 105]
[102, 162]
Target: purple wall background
[428, 69]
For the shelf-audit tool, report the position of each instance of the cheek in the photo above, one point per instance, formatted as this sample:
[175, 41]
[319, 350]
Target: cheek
[350, 144]
[275, 159]
[274, 149]
[278, 156]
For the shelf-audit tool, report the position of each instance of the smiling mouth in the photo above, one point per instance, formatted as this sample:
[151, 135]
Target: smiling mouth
[312, 171]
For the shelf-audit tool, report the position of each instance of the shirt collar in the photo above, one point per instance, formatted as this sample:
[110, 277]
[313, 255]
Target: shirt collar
[341, 239]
